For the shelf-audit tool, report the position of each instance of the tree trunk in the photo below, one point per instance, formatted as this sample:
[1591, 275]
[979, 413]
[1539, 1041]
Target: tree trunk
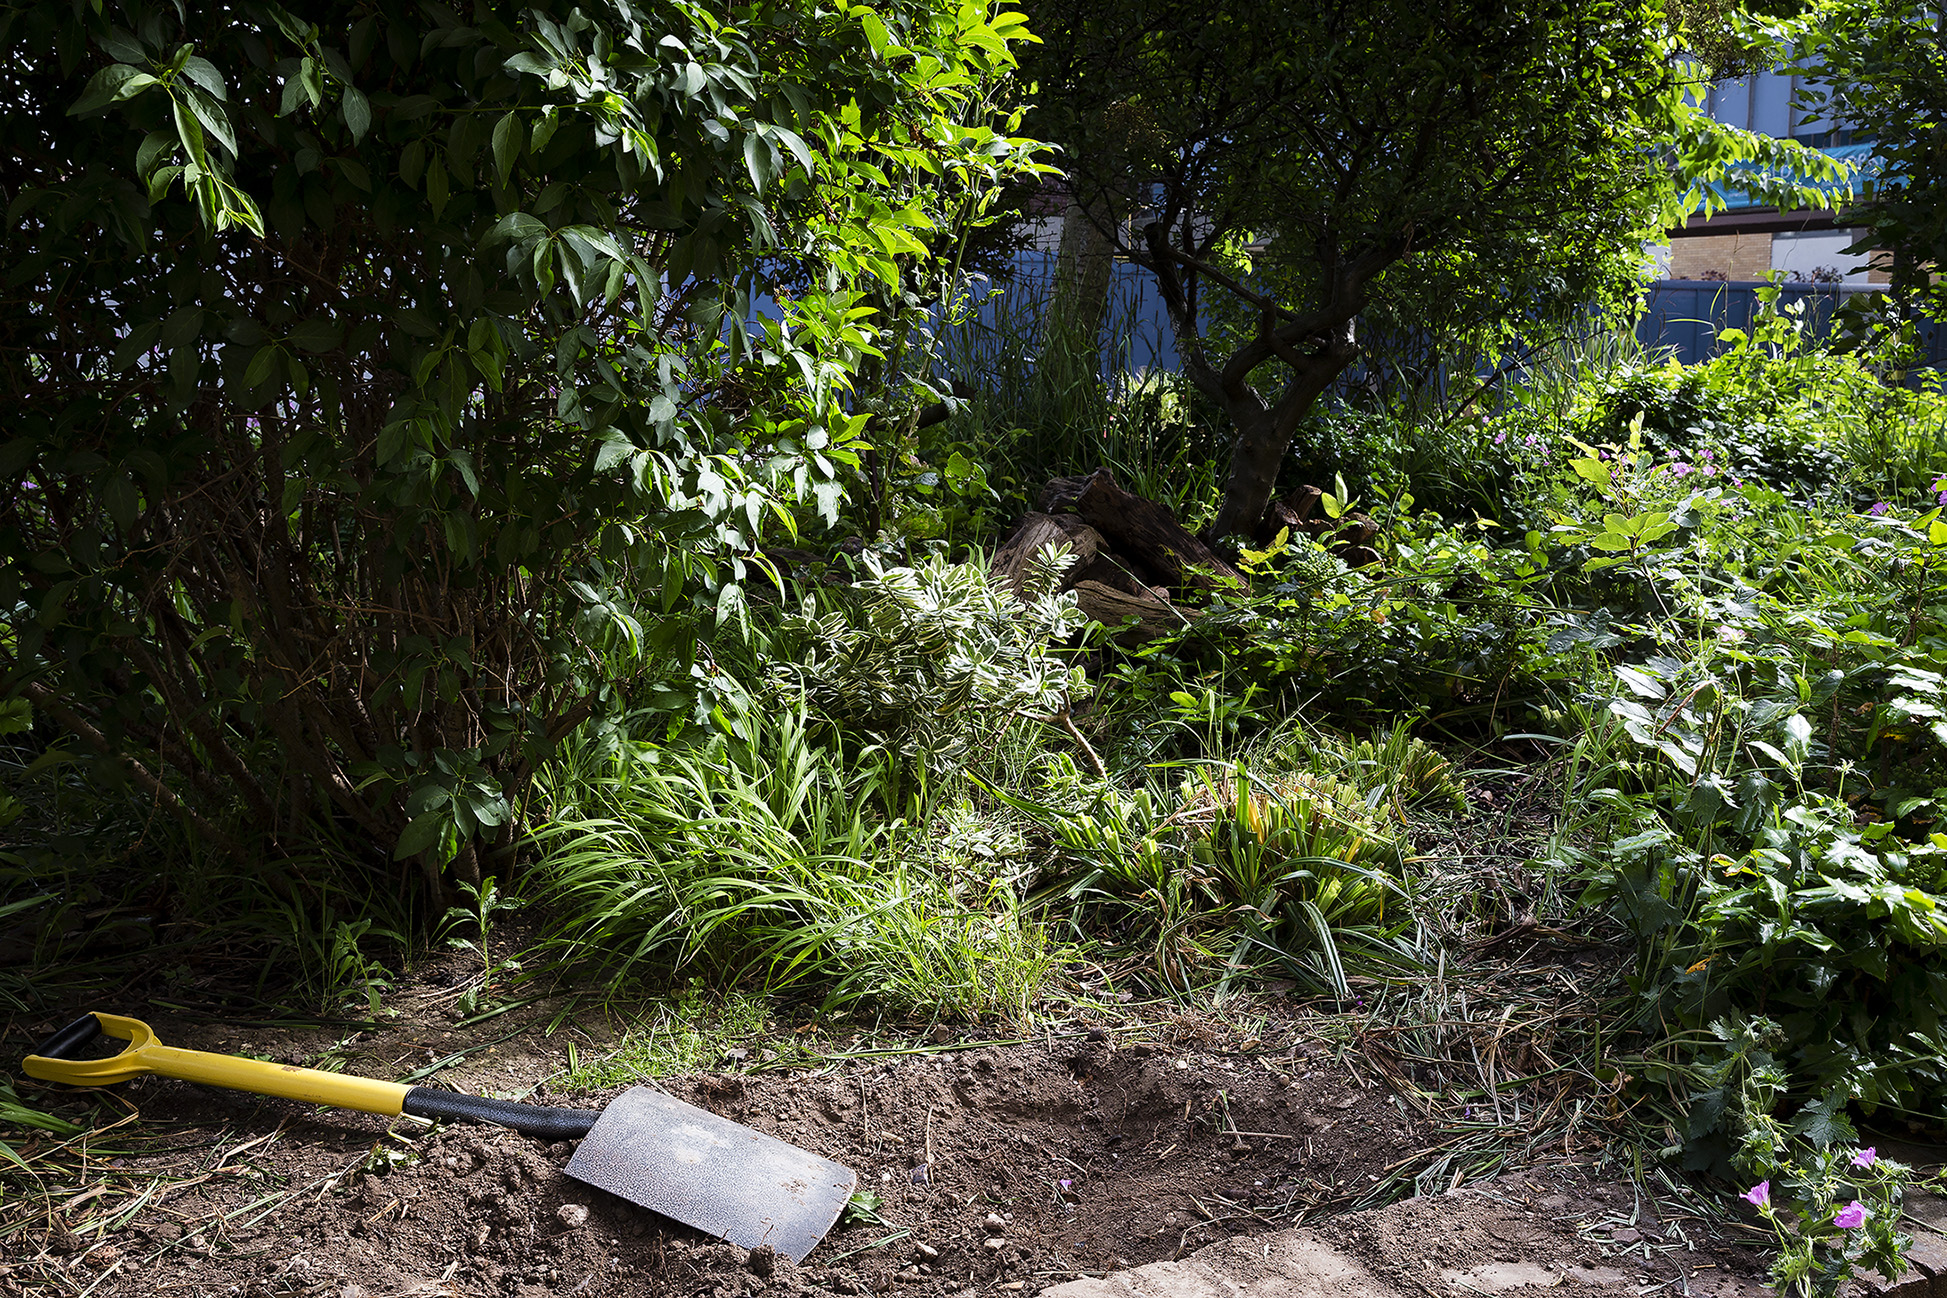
[1265, 432]
[1255, 458]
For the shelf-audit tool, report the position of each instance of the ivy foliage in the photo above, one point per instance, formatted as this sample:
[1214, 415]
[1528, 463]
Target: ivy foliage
[388, 385]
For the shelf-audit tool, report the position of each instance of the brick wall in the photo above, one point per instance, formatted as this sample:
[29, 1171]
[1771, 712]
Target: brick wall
[1735, 256]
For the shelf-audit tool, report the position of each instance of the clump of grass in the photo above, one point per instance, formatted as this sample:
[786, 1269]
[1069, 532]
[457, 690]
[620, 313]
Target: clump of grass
[752, 861]
[1232, 871]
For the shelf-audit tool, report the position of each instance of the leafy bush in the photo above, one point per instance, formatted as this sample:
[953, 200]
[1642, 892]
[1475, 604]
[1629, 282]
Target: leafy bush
[1776, 408]
[1773, 853]
[373, 374]
[932, 659]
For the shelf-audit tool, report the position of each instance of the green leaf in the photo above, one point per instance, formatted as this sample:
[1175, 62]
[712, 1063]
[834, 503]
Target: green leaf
[121, 501]
[261, 365]
[358, 113]
[318, 335]
[507, 146]
[16, 716]
[137, 344]
[412, 163]
[111, 85]
[757, 160]
[204, 73]
[436, 184]
[424, 833]
[211, 115]
[1798, 736]
[1824, 1123]
[462, 462]
[875, 31]
[1595, 471]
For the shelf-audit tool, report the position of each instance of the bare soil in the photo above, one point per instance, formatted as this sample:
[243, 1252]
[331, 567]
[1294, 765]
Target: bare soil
[1009, 1166]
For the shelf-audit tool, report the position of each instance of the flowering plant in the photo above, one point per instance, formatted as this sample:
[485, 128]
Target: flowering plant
[1834, 1207]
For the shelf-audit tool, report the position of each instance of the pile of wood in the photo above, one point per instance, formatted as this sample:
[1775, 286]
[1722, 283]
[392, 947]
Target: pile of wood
[1131, 555]
[1133, 559]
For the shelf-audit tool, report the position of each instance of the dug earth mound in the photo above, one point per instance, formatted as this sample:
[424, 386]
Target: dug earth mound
[1002, 1169]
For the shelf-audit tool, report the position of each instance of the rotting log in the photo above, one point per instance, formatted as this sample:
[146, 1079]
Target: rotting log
[1113, 608]
[1141, 531]
[1112, 572]
[1015, 558]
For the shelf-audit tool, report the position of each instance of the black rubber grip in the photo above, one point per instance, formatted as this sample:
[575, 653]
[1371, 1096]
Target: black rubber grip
[69, 1039]
[528, 1119]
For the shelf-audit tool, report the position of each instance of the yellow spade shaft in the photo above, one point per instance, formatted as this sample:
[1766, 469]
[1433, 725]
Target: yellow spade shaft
[147, 1055]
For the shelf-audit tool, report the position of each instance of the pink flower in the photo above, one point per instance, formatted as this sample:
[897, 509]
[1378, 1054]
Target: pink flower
[1879, 509]
[1866, 1157]
[1851, 1217]
[1759, 1195]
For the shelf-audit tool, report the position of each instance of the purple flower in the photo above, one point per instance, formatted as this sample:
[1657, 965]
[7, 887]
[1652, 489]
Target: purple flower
[1707, 454]
[1879, 509]
[1941, 499]
[1680, 468]
[1759, 1195]
[1067, 1184]
[1851, 1217]
[1866, 1157]
[1499, 438]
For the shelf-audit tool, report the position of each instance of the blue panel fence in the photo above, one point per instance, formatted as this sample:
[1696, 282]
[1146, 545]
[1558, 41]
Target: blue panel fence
[1685, 316]
[1681, 316]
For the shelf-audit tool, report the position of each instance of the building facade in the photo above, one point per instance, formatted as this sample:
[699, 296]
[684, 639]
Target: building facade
[1747, 241]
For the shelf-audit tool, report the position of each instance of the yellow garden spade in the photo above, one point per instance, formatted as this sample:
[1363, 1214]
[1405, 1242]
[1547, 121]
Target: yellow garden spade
[686, 1163]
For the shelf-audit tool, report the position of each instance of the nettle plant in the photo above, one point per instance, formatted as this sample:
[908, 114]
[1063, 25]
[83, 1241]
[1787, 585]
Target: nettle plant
[387, 384]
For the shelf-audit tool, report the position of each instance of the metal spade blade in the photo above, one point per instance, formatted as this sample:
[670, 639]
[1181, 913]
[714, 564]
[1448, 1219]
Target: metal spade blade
[716, 1175]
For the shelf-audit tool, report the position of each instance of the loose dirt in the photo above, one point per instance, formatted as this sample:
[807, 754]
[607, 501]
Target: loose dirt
[1002, 1166]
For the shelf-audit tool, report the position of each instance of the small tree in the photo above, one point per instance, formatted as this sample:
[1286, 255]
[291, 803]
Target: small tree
[1471, 164]
[384, 381]
[1881, 67]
